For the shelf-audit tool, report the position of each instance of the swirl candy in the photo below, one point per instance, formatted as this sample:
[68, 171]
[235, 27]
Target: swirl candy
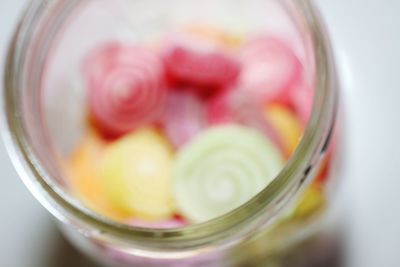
[199, 65]
[126, 87]
[135, 173]
[222, 169]
[269, 69]
[183, 118]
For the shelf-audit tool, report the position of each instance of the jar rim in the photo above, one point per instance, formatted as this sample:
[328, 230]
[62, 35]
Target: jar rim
[230, 226]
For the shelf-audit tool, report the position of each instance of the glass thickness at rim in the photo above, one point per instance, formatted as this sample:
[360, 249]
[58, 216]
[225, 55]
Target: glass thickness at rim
[230, 227]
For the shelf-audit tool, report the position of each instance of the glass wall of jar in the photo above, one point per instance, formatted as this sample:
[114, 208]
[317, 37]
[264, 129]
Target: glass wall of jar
[45, 100]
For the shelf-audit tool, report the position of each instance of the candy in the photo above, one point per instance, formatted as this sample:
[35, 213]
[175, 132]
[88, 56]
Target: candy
[82, 167]
[183, 118]
[199, 65]
[221, 169]
[311, 202]
[269, 69]
[135, 172]
[239, 107]
[216, 35]
[191, 130]
[126, 87]
[161, 224]
[302, 99]
[287, 125]
[323, 170]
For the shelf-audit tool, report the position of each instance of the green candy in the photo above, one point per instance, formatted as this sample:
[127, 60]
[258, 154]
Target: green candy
[221, 169]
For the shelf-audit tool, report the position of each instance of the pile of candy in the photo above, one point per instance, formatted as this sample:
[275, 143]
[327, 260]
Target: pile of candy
[189, 129]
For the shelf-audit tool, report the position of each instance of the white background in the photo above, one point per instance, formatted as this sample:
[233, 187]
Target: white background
[366, 38]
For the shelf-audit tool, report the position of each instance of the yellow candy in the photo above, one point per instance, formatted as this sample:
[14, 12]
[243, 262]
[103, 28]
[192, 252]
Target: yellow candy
[135, 173]
[216, 35]
[82, 169]
[287, 125]
[311, 202]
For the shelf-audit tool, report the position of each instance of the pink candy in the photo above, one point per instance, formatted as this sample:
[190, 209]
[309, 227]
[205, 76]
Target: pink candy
[270, 69]
[237, 106]
[203, 67]
[184, 117]
[302, 100]
[126, 87]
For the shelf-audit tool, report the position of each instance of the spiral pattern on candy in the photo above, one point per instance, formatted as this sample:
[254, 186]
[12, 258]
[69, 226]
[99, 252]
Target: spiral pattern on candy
[135, 174]
[222, 169]
[126, 87]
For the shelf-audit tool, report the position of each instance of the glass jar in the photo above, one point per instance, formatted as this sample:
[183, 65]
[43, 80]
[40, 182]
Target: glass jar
[44, 117]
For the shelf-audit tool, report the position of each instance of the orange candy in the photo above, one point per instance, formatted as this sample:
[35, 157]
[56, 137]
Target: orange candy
[82, 167]
[287, 126]
[216, 35]
[323, 171]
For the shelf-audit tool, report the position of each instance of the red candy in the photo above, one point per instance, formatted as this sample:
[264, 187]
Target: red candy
[184, 117]
[269, 69]
[126, 87]
[239, 107]
[199, 65]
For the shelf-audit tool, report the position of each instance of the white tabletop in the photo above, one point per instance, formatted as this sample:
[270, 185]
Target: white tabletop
[366, 37]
